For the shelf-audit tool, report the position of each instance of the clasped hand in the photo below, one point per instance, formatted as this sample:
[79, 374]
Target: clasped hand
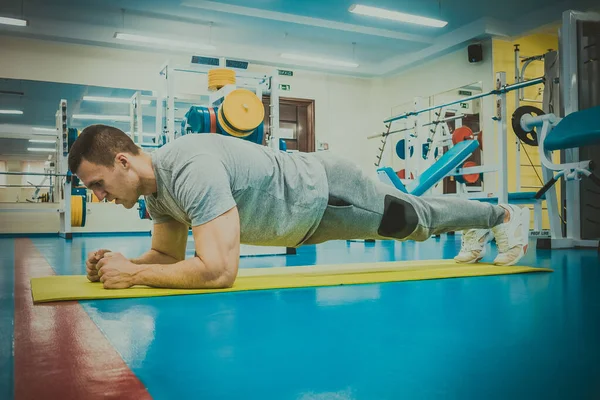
[112, 269]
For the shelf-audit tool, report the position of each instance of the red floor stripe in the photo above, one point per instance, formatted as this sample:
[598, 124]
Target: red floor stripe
[59, 352]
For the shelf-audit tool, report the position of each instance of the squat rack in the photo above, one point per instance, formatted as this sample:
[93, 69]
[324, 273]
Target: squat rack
[501, 89]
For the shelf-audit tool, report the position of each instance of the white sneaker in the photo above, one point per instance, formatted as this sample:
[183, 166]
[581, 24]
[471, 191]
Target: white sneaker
[512, 237]
[472, 247]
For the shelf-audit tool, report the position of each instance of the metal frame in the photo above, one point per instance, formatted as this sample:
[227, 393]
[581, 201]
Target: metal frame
[520, 96]
[257, 82]
[65, 229]
[569, 87]
[501, 118]
[500, 91]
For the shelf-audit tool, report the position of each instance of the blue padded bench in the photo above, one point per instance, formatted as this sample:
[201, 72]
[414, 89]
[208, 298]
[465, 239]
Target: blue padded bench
[513, 198]
[438, 170]
[577, 129]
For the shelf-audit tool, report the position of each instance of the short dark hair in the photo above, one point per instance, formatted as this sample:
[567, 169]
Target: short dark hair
[99, 144]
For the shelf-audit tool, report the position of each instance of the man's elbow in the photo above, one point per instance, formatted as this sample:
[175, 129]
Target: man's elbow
[225, 281]
[219, 277]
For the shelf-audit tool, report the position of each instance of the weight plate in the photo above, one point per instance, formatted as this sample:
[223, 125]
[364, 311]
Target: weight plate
[526, 136]
[225, 126]
[461, 133]
[243, 110]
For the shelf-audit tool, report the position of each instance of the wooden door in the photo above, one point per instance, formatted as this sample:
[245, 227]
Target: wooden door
[296, 122]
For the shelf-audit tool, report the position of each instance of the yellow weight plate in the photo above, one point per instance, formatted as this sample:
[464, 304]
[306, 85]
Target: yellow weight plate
[228, 128]
[219, 77]
[243, 110]
[76, 210]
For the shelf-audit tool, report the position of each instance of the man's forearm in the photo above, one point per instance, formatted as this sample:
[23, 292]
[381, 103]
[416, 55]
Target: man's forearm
[154, 257]
[187, 274]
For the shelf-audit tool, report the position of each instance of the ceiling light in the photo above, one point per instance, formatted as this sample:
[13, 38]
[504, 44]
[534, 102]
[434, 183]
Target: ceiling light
[165, 42]
[11, 112]
[35, 128]
[396, 16]
[120, 100]
[40, 149]
[117, 118]
[41, 141]
[318, 60]
[13, 21]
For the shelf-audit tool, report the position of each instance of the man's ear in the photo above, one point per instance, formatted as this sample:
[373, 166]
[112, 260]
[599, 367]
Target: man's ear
[122, 159]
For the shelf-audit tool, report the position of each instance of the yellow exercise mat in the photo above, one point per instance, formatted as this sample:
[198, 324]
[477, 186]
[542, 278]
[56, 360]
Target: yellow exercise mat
[77, 287]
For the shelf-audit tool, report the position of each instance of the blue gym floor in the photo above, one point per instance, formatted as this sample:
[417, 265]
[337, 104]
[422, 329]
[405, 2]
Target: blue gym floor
[530, 336]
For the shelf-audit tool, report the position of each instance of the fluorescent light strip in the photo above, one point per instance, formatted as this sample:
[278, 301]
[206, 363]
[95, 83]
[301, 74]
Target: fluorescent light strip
[396, 16]
[13, 21]
[116, 118]
[41, 141]
[165, 42]
[11, 112]
[120, 100]
[35, 128]
[41, 150]
[318, 60]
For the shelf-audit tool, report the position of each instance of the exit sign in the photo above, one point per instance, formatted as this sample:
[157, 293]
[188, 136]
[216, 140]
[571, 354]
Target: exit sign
[286, 88]
[286, 73]
[465, 93]
[464, 105]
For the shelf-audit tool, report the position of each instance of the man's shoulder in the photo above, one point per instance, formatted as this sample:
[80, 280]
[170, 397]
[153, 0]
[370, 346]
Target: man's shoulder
[185, 148]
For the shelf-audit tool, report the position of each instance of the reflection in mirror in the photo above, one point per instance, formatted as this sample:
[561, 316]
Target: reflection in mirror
[28, 128]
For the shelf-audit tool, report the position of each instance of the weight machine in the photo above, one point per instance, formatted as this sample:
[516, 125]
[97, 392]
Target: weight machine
[210, 107]
[576, 136]
[520, 71]
[576, 133]
[500, 117]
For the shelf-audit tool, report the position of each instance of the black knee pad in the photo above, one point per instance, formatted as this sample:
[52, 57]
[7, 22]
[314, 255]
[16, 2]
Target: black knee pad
[399, 218]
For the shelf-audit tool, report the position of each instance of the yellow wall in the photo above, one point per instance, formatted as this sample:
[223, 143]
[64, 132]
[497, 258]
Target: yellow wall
[503, 60]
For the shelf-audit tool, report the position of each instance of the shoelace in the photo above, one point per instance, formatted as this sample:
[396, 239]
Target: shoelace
[471, 241]
[502, 239]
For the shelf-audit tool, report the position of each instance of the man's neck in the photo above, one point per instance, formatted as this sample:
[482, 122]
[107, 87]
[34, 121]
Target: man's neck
[147, 175]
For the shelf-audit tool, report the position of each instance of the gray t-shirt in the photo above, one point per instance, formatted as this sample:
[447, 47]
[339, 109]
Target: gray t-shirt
[281, 197]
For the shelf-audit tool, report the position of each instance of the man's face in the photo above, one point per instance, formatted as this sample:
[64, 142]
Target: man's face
[116, 183]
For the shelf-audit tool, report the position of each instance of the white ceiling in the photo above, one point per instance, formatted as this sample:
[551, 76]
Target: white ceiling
[259, 31]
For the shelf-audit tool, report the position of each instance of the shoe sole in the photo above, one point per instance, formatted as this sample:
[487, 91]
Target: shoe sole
[525, 221]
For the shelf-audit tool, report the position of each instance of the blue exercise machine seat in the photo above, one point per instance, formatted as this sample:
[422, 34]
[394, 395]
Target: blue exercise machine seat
[438, 170]
[513, 198]
[577, 129]
[388, 176]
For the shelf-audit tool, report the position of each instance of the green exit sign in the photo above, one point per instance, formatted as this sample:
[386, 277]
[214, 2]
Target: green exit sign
[286, 88]
[464, 105]
[286, 73]
[465, 93]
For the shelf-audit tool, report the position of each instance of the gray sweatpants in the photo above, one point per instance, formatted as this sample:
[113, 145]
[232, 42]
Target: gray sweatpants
[364, 208]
